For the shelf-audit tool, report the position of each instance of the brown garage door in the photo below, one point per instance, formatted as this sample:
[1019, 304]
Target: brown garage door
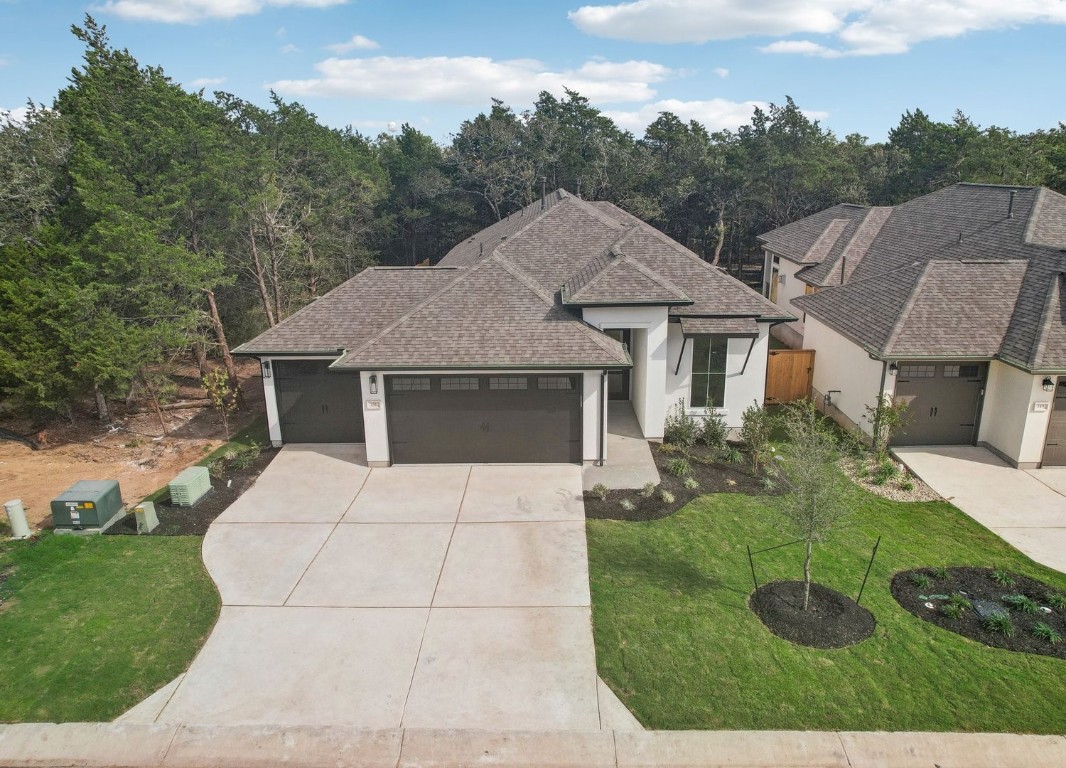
[943, 401]
[316, 405]
[498, 419]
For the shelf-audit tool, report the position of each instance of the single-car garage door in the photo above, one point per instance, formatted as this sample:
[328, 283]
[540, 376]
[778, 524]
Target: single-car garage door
[317, 405]
[942, 402]
[484, 419]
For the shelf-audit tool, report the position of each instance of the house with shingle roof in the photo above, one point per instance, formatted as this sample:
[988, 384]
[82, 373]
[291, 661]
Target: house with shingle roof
[510, 348]
[952, 302]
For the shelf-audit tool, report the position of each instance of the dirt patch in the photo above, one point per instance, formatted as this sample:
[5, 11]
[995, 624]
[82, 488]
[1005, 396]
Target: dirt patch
[710, 475]
[131, 448]
[193, 521]
[832, 620]
[916, 588]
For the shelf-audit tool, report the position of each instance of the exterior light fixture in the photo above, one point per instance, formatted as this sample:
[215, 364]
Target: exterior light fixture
[373, 384]
[266, 369]
[893, 368]
[1047, 384]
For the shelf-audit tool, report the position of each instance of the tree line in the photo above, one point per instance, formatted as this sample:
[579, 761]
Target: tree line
[140, 223]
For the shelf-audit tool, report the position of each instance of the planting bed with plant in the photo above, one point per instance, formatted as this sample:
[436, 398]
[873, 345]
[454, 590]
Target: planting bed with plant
[1020, 613]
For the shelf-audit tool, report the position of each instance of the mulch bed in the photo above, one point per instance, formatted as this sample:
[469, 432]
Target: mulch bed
[977, 584]
[713, 477]
[832, 620]
[194, 520]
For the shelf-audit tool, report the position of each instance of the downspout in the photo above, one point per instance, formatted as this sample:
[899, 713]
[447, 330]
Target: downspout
[603, 418]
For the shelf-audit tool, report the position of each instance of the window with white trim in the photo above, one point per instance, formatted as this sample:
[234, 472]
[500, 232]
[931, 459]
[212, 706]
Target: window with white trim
[708, 371]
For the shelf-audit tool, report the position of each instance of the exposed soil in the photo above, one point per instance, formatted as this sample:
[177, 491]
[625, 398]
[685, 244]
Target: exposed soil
[130, 448]
[194, 520]
[977, 584]
[713, 477]
[832, 620]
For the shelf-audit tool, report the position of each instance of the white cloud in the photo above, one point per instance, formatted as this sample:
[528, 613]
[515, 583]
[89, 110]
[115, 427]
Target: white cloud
[206, 82]
[16, 115]
[192, 11]
[474, 79]
[697, 21]
[356, 43]
[722, 72]
[860, 27]
[802, 47]
[714, 114]
[289, 48]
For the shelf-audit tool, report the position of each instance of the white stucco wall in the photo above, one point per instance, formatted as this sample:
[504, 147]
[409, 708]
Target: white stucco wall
[741, 389]
[649, 376]
[1012, 422]
[375, 420]
[593, 415]
[846, 369]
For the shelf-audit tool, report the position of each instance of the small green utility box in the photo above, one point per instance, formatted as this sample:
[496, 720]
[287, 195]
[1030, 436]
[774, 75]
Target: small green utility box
[87, 504]
[190, 486]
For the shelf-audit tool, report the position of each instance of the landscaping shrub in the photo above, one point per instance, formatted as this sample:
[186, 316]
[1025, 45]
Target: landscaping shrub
[680, 428]
[713, 433]
[1045, 631]
[667, 497]
[1002, 578]
[627, 505]
[648, 490]
[1056, 601]
[600, 491]
[691, 483]
[756, 426]
[920, 580]
[1001, 623]
[680, 467]
[1022, 603]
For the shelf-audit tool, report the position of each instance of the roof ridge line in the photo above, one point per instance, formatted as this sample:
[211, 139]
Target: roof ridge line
[907, 307]
[464, 274]
[1030, 225]
[595, 335]
[1038, 349]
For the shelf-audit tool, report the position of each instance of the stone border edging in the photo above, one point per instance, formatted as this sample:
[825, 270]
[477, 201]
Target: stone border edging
[129, 745]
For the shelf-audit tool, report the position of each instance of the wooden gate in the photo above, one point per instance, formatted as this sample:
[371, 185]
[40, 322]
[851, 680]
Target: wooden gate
[789, 375]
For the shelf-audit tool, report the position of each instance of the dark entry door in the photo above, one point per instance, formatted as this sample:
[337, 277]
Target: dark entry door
[618, 381]
[943, 401]
[1055, 444]
[317, 405]
[484, 419]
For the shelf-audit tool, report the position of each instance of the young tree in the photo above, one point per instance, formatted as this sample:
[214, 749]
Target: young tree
[818, 496]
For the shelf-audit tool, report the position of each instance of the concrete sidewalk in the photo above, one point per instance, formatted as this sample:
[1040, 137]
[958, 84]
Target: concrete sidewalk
[190, 746]
[1023, 507]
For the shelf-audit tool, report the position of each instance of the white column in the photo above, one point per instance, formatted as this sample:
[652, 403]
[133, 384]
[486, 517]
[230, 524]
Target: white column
[273, 417]
[375, 421]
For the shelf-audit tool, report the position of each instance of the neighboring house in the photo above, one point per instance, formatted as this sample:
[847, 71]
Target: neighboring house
[952, 302]
[510, 348]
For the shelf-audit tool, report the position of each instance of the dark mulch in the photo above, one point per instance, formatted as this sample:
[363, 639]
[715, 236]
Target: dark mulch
[977, 584]
[713, 477]
[832, 620]
[193, 521]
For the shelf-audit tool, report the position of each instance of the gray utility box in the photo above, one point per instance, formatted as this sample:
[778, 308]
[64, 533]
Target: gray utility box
[87, 504]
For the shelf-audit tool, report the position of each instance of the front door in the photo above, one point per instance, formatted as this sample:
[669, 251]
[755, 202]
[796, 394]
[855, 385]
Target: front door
[1055, 444]
[618, 381]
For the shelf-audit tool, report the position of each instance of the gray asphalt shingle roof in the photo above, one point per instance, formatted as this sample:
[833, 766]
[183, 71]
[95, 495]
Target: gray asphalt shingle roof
[962, 272]
[497, 298]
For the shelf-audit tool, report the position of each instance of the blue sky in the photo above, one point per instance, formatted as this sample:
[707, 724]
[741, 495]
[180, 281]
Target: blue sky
[856, 65]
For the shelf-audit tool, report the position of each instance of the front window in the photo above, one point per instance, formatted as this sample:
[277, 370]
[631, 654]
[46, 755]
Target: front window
[708, 371]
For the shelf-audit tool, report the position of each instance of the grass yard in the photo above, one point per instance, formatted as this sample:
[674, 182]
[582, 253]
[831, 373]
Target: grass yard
[89, 626]
[676, 640]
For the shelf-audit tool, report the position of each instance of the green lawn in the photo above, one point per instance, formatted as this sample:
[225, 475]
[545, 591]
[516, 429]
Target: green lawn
[676, 640]
[89, 626]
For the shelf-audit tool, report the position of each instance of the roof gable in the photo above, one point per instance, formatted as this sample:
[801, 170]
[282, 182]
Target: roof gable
[615, 279]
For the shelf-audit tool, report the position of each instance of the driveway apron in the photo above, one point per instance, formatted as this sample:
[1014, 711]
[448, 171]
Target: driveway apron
[426, 597]
[1026, 508]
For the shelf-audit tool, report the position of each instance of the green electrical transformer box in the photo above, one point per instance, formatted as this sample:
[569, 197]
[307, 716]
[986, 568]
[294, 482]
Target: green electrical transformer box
[87, 504]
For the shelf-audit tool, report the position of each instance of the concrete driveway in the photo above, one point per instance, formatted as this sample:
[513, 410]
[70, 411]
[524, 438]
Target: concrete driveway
[1027, 508]
[424, 597]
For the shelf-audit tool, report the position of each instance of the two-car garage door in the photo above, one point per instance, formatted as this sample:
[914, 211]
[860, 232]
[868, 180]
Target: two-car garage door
[480, 419]
[484, 419]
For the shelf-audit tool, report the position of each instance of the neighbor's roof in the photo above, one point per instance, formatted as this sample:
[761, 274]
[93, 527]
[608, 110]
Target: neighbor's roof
[501, 297]
[962, 272]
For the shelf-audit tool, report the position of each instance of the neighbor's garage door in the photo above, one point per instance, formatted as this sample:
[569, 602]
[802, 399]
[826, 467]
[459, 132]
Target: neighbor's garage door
[484, 419]
[317, 405]
[943, 400]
